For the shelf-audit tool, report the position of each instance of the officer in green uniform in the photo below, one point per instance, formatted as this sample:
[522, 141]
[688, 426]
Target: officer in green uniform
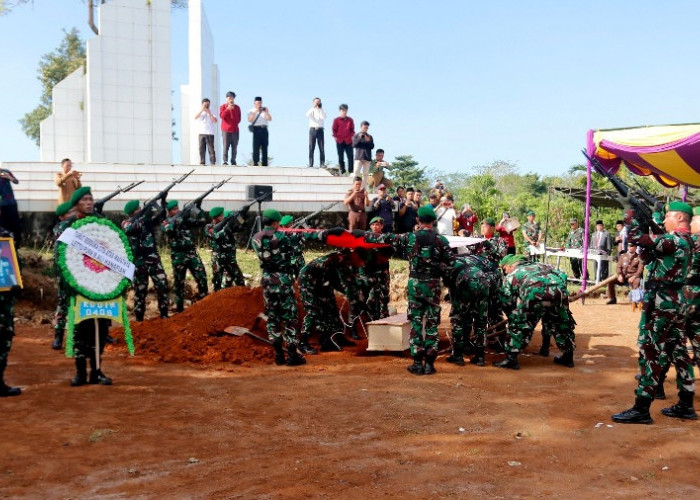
[374, 277]
[222, 237]
[298, 260]
[61, 315]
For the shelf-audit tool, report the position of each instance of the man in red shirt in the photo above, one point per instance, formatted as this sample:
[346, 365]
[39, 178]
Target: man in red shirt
[230, 115]
[343, 131]
[467, 220]
[508, 236]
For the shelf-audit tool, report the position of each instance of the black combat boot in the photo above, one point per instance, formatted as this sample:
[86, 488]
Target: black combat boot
[279, 352]
[479, 358]
[417, 367]
[566, 359]
[456, 357]
[305, 347]
[638, 414]
[469, 347]
[353, 333]
[342, 341]
[96, 376]
[429, 367]
[684, 407]
[294, 359]
[544, 350]
[7, 391]
[81, 373]
[57, 343]
[660, 392]
[328, 345]
[510, 361]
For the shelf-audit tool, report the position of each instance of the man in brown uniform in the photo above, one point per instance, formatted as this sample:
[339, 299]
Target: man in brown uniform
[356, 200]
[67, 180]
[629, 272]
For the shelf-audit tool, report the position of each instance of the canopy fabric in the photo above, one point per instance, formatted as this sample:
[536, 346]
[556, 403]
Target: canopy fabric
[599, 197]
[671, 153]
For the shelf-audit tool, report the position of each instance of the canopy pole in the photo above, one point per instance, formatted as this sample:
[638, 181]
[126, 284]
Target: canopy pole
[586, 225]
[546, 220]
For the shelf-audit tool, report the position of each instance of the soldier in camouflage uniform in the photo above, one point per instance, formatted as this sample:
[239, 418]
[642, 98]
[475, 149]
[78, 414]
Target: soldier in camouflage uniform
[691, 291]
[7, 332]
[493, 249]
[183, 251]
[470, 280]
[575, 241]
[318, 281]
[662, 325]
[274, 249]
[532, 291]
[532, 231]
[426, 251]
[222, 237]
[62, 211]
[374, 277]
[140, 228]
[297, 257]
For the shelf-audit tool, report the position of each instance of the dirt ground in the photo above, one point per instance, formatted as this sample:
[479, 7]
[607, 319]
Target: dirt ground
[346, 425]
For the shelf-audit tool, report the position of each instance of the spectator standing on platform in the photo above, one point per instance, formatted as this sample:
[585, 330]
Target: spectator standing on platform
[445, 217]
[363, 144]
[408, 212]
[205, 128]
[316, 116]
[9, 215]
[575, 242]
[230, 114]
[259, 117]
[67, 180]
[506, 234]
[356, 199]
[467, 220]
[343, 132]
[600, 244]
[383, 207]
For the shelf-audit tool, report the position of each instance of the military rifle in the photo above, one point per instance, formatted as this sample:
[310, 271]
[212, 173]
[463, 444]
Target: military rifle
[164, 193]
[626, 198]
[238, 216]
[302, 221]
[656, 204]
[99, 204]
[198, 200]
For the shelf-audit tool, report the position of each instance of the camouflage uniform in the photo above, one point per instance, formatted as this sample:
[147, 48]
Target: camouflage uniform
[532, 230]
[183, 254]
[7, 328]
[425, 251]
[493, 250]
[223, 256]
[61, 315]
[84, 347]
[691, 293]
[140, 231]
[534, 291]
[662, 325]
[374, 278]
[274, 249]
[575, 241]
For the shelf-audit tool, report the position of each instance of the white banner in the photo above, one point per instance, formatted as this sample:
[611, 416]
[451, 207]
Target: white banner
[96, 250]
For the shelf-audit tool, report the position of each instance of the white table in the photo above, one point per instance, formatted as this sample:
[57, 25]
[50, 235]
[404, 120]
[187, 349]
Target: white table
[578, 254]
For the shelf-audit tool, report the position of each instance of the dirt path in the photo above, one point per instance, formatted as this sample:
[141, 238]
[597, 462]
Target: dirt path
[343, 426]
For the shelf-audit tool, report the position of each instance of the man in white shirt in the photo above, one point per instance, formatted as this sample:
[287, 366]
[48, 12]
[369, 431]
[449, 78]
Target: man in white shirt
[259, 117]
[316, 116]
[205, 127]
[446, 215]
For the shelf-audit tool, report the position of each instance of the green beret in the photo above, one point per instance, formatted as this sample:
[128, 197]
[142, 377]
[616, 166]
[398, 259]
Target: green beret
[227, 213]
[79, 193]
[376, 219]
[427, 212]
[287, 219]
[131, 207]
[171, 204]
[490, 221]
[530, 212]
[679, 206]
[63, 208]
[511, 259]
[216, 211]
[696, 210]
[505, 260]
[272, 214]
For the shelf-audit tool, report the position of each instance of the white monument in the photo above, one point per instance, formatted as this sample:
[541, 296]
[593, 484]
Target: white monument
[118, 109]
[203, 82]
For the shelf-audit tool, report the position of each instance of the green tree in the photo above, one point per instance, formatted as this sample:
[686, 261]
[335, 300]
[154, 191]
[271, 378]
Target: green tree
[54, 67]
[406, 172]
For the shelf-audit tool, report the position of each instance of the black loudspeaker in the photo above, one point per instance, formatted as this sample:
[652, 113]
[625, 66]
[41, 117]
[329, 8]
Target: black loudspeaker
[256, 191]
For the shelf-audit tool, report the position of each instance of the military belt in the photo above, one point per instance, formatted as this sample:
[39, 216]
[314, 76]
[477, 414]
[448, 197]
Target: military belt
[424, 276]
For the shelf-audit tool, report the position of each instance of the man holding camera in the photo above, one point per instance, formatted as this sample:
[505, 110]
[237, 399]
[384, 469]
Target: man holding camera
[67, 180]
[316, 117]
[259, 117]
[205, 127]
[408, 211]
[363, 144]
[383, 208]
[230, 115]
[356, 199]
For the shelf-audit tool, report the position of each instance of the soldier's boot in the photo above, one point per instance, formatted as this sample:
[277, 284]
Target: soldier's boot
[57, 343]
[7, 391]
[456, 357]
[353, 331]
[294, 359]
[544, 350]
[96, 376]
[305, 347]
[417, 367]
[279, 352]
[327, 343]
[81, 373]
[638, 414]
[660, 392]
[479, 358]
[469, 347]
[109, 339]
[566, 359]
[684, 407]
[510, 361]
[429, 367]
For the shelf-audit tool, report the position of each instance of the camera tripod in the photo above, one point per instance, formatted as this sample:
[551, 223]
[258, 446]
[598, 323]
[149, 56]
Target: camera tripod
[257, 225]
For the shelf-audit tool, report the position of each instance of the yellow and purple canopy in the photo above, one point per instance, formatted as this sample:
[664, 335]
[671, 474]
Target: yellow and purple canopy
[671, 153]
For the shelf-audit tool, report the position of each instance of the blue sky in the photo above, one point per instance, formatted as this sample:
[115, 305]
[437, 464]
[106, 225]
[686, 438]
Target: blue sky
[454, 83]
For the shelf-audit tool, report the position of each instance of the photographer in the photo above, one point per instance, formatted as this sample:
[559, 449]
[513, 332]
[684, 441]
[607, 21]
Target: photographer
[67, 180]
[205, 128]
[383, 206]
[230, 114]
[356, 199]
[467, 220]
[408, 213]
[259, 117]
[316, 117]
[363, 144]
[446, 216]
[506, 229]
